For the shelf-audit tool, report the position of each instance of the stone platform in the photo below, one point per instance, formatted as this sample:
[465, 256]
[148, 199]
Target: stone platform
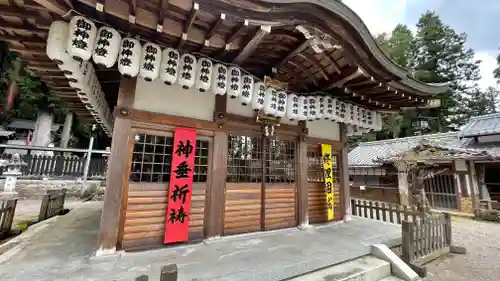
[63, 251]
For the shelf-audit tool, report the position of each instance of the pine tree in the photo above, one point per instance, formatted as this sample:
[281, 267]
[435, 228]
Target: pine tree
[440, 56]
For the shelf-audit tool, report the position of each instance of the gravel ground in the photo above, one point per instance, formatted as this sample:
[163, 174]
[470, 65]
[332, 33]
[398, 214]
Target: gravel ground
[481, 263]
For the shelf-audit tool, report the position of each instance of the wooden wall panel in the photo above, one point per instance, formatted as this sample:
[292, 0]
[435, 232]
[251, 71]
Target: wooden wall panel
[145, 215]
[280, 200]
[243, 208]
[317, 202]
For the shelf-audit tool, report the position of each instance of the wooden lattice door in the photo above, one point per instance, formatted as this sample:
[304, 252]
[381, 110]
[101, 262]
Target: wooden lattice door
[260, 188]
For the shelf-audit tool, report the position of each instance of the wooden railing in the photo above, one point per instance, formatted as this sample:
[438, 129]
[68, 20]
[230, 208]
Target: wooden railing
[58, 166]
[426, 239]
[382, 211]
[52, 204]
[7, 210]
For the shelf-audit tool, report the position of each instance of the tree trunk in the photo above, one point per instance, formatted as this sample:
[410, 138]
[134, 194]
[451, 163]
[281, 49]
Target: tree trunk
[66, 133]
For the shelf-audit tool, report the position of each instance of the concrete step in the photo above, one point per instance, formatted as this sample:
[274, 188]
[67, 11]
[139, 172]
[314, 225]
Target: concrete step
[367, 268]
[391, 278]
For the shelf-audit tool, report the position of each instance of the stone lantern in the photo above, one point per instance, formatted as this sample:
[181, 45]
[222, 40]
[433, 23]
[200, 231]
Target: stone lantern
[14, 166]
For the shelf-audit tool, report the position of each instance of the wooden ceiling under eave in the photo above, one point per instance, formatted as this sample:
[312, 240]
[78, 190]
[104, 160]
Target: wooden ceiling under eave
[24, 26]
[279, 38]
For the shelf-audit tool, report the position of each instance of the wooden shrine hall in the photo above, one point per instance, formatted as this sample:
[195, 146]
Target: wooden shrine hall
[226, 117]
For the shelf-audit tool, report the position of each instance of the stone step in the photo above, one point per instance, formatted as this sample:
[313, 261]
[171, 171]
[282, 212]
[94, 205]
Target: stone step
[367, 268]
[391, 278]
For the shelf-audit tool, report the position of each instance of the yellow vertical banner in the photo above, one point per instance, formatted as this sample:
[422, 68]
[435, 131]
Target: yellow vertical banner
[326, 155]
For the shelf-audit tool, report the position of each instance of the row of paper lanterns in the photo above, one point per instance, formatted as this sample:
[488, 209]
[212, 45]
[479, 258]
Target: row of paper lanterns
[81, 75]
[81, 40]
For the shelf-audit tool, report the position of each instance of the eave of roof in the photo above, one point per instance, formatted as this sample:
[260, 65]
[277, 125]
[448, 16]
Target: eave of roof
[275, 9]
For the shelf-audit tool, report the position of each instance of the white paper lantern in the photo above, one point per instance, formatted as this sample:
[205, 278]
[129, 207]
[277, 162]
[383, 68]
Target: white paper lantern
[364, 117]
[369, 119]
[303, 108]
[271, 102]
[187, 71]
[320, 104]
[356, 118]
[246, 89]
[292, 107]
[313, 108]
[81, 38]
[204, 74]
[234, 88]
[329, 108]
[341, 111]
[219, 80]
[350, 114]
[57, 40]
[169, 66]
[258, 96]
[129, 57]
[150, 62]
[107, 46]
[281, 106]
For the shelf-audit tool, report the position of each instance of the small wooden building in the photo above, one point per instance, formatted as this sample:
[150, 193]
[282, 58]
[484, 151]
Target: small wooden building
[254, 168]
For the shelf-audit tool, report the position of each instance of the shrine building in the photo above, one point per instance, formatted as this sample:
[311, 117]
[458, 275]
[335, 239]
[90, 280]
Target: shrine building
[226, 117]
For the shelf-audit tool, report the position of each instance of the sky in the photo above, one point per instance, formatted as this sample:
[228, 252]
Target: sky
[479, 20]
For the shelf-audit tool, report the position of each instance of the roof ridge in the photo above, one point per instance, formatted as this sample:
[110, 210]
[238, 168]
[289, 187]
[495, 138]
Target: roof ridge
[396, 140]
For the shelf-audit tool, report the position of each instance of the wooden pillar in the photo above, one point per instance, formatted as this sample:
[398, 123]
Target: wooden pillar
[302, 187]
[344, 174]
[214, 211]
[110, 219]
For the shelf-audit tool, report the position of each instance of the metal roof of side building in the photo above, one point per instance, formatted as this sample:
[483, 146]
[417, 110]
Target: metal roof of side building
[482, 126]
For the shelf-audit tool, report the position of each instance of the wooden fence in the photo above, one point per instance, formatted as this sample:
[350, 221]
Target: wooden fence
[38, 166]
[7, 210]
[52, 204]
[382, 211]
[426, 238]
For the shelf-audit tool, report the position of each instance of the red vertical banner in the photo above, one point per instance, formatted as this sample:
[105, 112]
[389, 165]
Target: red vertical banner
[181, 186]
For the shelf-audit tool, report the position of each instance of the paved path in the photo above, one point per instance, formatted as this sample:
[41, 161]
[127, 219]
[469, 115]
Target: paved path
[482, 240]
[61, 251]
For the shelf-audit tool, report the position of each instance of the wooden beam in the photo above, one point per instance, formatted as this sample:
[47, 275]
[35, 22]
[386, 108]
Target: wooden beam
[182, 40]
[28, 51]
[300, 69]
[55, 6]
[112, 218]
[22, 13]
[293, 53]
[132, 7]
[315, 64]
[192, 17]
[302, 185]
[214, 27]
[363, 83]
[342, 81]
[236, 33]
[162, 14]
[345, 189]
[262, 32]
[23, 39]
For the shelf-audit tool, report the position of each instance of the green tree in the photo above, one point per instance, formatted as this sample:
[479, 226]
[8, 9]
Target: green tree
[440, 56]
[496, 72]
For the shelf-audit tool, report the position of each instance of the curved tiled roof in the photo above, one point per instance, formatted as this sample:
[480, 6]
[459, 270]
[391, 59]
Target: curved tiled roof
[482, 126]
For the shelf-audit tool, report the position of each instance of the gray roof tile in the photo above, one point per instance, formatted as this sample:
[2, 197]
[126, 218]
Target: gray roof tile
[366, 152]
[482, 126]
